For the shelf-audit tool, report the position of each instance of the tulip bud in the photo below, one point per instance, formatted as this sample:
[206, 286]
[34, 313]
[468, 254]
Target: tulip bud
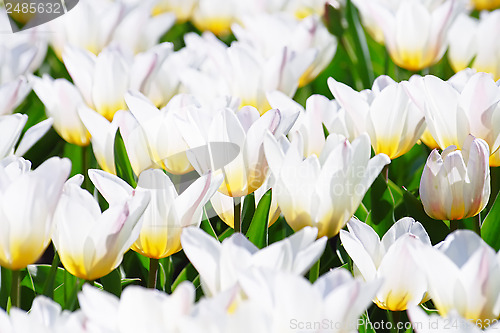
[456, 184]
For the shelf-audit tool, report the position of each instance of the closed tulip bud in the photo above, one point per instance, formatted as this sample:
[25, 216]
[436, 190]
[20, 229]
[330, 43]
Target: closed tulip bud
[28, 200]
[456, 184]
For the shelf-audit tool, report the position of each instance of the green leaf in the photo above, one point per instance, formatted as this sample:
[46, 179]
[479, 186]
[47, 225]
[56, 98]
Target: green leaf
[47, 280]
[381, 206]
[227, 233]
[206, 226]
[6, 277]
[71, 286]
[112, 282]
[333, 20]
[189, 273]
[166, 271]
[314, 271]
[365, 325]
[258, 230]
[406, 170]
[279, 230]
[248, 212]
[122, 162]
[354, 41]
[490, 230]
[50, 281]
[495, 187]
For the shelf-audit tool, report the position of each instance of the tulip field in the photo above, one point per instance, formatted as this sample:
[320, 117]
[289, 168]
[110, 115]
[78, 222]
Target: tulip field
[249, 166]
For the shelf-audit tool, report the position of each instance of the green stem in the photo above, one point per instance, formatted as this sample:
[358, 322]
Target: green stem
[385, 173]
[15, 289]
[48, 288]
[169, 271]
[153, 269]
[237, 214]
[393, 317]
[73, 297]
[314, 271]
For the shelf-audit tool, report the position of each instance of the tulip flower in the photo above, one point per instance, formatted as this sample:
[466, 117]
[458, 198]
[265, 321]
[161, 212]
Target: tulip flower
[463, 274]
[474, 42]
[467, 103]
[91, 243]
[456, 184]
[168, 212]
[89, 25]
[323, 192]
[29, 199]
[386, 112]
[415, 30]
[164, 140]
[241, 71]
[303, 9]
[61, 100]
[22, 53]
[94, 24]
[246, 130]
[138, 308]
[164, 81]
[336, 299]
[183, 9]
[216, 15]
[390, 260]
[220, 314]
[270, 33]
[224, 205]
[16, 60]
[485, 4]
[369, 22]
[11, 127]
[103, 139]
[222, 265]
[134, 40]
[12, 94]
[308, 128]
[453, 323]
[92, 75]
[45, 316]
